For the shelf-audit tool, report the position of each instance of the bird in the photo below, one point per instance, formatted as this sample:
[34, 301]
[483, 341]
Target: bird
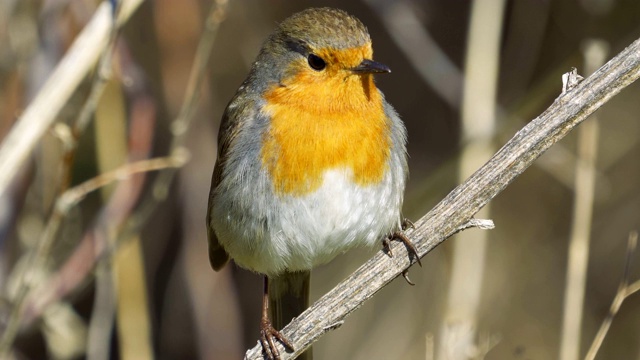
[311, 162]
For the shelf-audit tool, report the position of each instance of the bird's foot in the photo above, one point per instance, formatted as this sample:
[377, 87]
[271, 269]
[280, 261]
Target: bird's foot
[400, 236]
[268, 334]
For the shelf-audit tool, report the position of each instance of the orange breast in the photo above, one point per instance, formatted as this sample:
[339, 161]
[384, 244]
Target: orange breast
[322, 123]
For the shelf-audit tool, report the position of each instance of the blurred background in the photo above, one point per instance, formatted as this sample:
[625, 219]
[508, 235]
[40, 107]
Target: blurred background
[124, 273]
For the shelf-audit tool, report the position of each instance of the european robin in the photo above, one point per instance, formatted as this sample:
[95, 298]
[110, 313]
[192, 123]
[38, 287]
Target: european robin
[311, 161]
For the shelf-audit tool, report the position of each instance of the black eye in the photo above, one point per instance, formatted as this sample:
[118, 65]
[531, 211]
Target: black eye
[316, 62]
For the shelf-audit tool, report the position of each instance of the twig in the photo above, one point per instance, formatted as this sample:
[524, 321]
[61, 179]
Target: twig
[74, 195]
[482, 224]
[569, 110]
[45, 107]
[624, 291]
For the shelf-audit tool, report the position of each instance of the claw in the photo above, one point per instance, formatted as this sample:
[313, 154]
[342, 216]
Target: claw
[267, 335]
[407, 224]
[405, 275]
[407, 242]
[398, 235]
[386, 245]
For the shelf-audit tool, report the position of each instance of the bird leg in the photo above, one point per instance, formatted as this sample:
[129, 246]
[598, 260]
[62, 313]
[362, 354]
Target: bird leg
[267, 331]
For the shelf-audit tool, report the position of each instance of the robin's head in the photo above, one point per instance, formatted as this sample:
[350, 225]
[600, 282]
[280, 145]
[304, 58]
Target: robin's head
[322, 53]
[314, 74]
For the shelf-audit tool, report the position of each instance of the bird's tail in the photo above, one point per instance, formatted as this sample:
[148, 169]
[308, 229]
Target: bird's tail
[288, 298]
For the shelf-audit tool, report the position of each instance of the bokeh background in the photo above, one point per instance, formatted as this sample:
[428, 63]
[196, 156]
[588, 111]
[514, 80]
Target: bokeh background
[123, 285]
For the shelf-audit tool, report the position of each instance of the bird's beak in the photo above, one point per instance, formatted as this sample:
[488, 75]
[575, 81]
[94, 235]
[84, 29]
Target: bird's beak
[370, 67]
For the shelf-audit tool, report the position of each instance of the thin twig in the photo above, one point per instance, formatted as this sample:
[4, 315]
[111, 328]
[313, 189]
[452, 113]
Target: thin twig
[569, 110]
[482, 224]
[624, 291]
[74, 195]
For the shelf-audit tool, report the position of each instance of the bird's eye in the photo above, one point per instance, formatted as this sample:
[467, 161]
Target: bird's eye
[316, 62]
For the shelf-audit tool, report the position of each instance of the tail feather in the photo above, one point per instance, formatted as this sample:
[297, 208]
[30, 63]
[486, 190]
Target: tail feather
[218, 257]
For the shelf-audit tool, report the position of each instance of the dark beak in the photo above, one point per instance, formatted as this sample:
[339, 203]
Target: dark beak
[371, 67]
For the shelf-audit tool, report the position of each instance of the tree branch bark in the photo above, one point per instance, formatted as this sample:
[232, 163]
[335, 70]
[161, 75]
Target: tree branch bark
[458, 208]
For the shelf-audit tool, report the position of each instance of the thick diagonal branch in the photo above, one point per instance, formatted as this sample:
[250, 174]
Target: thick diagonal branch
[568, 110]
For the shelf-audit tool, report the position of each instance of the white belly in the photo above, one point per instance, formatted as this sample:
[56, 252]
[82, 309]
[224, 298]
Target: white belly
[305, 231]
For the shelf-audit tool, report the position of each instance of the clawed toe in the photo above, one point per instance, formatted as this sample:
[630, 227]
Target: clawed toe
[405, 275]
[386, 245]
[267, 335]
[398, 235]
[407, 224]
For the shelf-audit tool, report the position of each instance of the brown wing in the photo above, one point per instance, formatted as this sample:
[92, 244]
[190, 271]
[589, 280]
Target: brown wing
[229, 128]
[240, 107]
[218, 257]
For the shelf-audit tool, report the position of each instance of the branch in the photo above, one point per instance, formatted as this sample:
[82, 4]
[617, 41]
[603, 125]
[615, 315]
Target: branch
[458, 208]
